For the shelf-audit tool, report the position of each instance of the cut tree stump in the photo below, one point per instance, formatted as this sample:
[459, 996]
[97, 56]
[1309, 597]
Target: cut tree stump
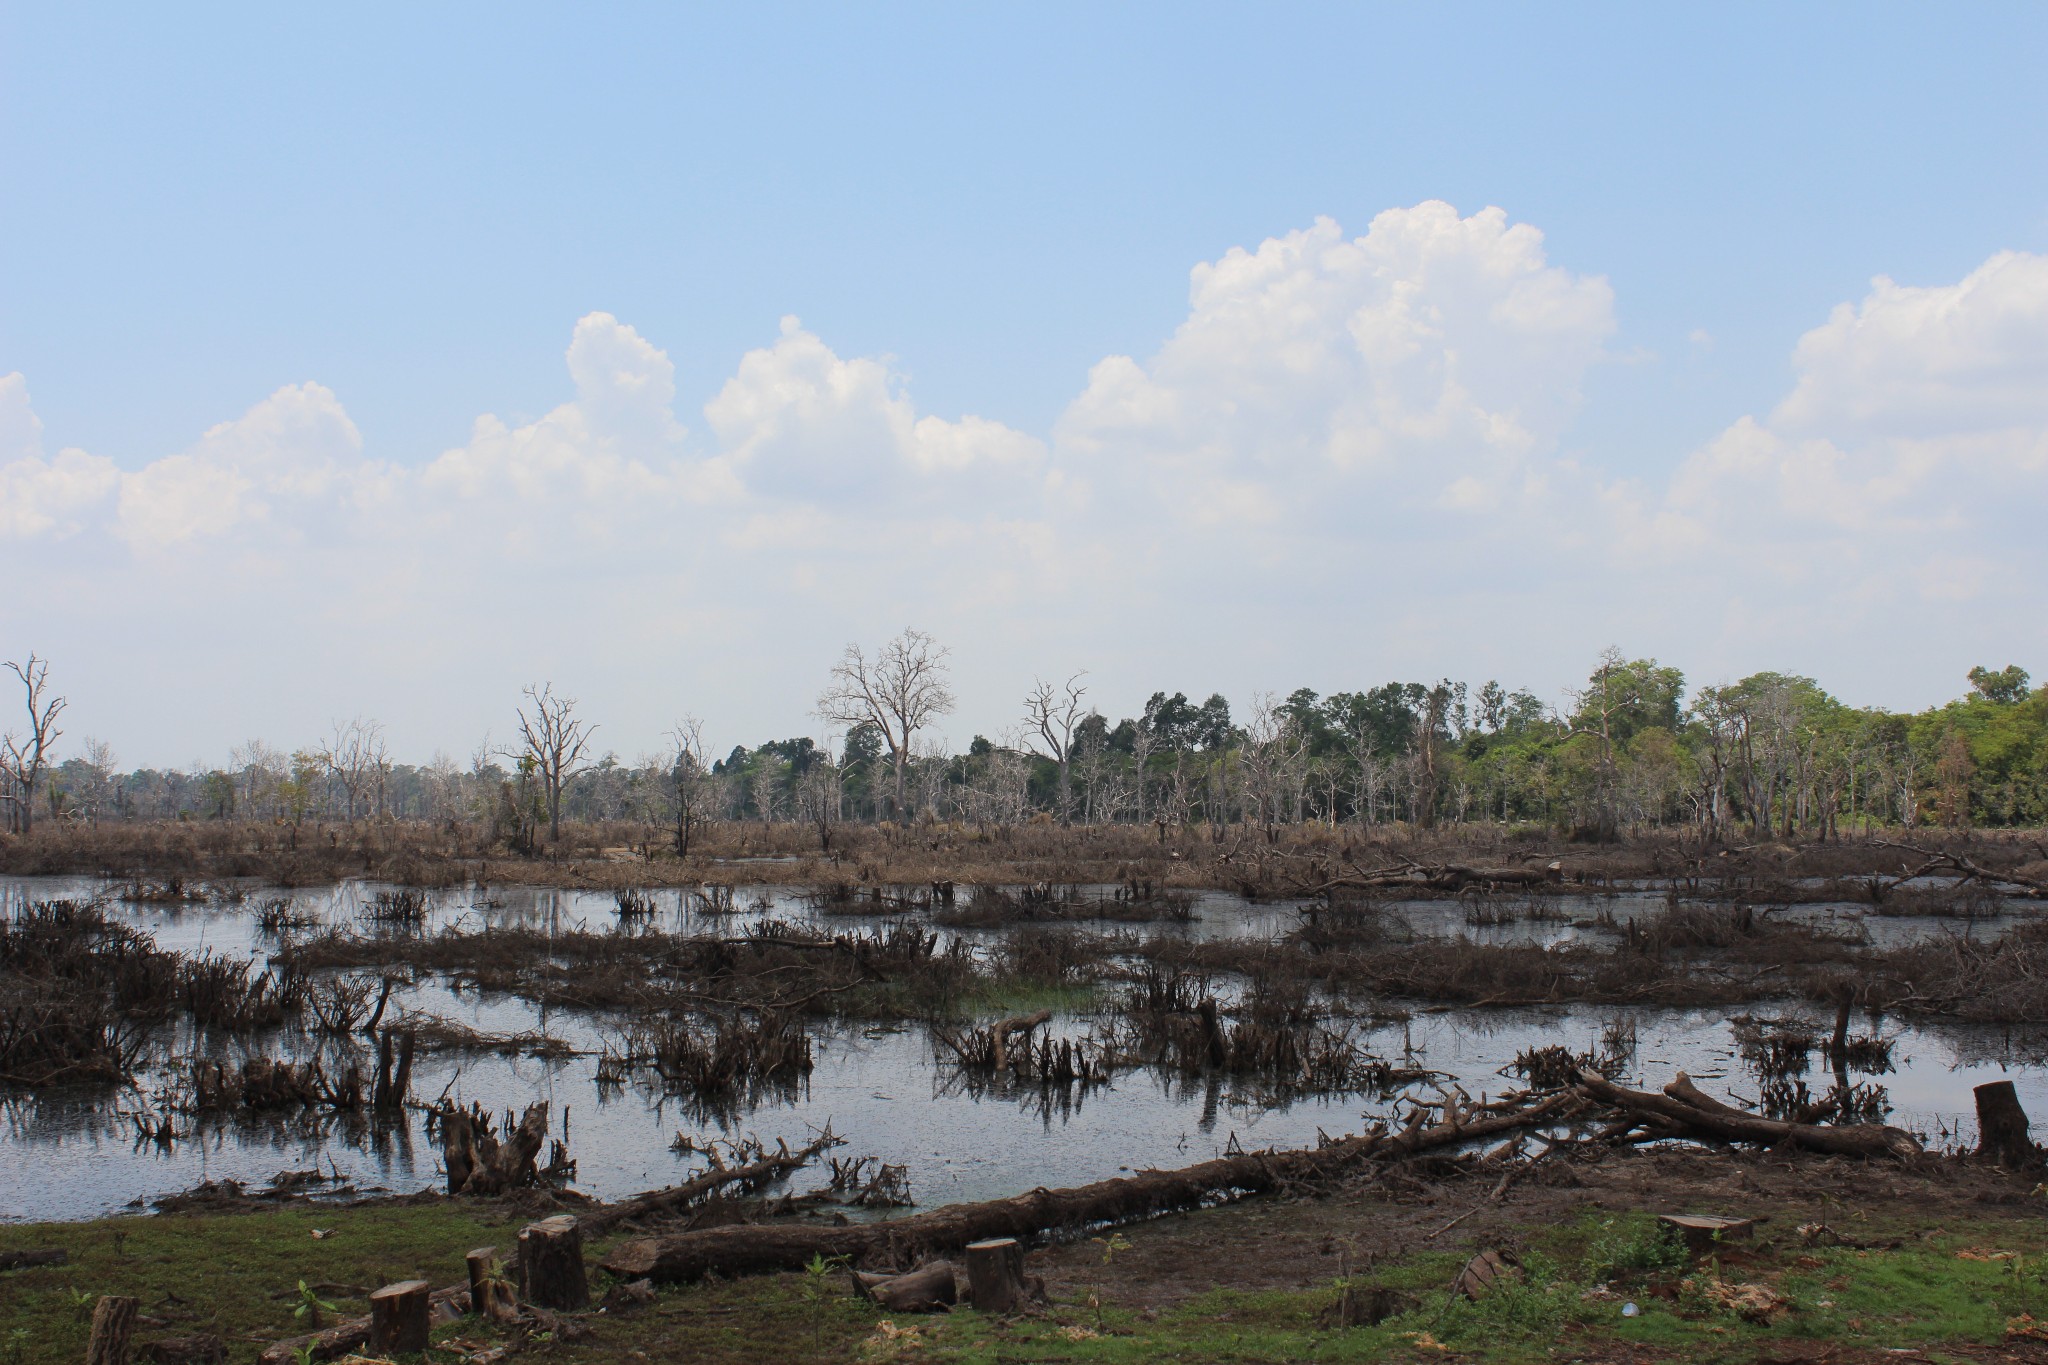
[926, 1289]
[995, 1275]
[479, 1261]
[2002, 1127]
[113, 1322]
[551, 1263]
[398, 1317]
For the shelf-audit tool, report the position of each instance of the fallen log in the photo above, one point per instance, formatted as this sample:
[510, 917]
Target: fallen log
[20, 1260]
[750, 1176]
[1683, 1110]
[927, 1289]
[757, 1249]
[345, 1338]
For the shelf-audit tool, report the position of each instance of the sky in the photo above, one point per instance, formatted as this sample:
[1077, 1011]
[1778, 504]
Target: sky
[383, 360]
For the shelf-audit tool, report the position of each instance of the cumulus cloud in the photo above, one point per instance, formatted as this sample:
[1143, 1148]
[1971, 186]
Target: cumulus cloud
[1918, 418]
[1429, 360]
[1367, 430]
[41, 497]
[798, 421]
[293, 459]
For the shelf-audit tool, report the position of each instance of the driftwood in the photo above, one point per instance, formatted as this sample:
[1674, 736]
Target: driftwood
[1938, 860]
[1683, 1110]
[21, 1260]
[742, 1250]
[1435, 877]
[749, 1176]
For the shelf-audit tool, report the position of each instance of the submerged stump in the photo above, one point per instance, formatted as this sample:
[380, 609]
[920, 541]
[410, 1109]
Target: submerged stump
[2002, 1134]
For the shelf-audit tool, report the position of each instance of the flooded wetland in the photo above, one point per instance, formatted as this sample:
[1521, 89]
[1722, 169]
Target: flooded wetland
[961, 1043]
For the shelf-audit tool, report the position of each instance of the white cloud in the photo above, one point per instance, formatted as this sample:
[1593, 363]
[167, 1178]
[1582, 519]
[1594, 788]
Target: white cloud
[1350, 448]
[41, 497]
[294, 455]
[1429, 359]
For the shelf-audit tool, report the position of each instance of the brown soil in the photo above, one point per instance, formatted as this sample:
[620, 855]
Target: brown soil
[1282, 1243]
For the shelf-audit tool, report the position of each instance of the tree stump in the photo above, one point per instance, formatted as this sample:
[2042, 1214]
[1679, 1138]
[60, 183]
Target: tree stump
[2002, 1127]
[113, 1322]
[995, 1274]
[398, 1317]
[479, 1262]
[551, 1263]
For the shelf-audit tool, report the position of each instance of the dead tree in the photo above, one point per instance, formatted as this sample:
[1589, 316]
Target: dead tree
[554, 741]
[354, 756]
[899, 692]
[23, 758]
[689, 780]
[1051, 715]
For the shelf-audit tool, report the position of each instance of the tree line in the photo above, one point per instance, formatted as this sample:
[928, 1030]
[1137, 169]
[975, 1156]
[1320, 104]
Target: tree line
[1631, 750]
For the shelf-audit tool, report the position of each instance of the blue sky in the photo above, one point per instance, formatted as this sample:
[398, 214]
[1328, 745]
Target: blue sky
[413, 207]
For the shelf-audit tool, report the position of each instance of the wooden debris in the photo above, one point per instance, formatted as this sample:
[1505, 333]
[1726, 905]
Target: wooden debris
[754, 1249]
[1683, 1110]
[927, 1289]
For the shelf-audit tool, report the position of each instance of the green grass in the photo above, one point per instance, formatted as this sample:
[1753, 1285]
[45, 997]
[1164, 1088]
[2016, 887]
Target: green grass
[230, 1274]
[236, 1275]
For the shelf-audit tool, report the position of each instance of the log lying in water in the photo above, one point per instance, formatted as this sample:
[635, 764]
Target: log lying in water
[756, 1249]
[1683, 1110]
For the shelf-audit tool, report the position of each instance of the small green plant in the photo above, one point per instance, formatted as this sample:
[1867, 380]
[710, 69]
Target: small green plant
[1111, 1245]
[1626, 1251]
[82, 1300]
[17, 1342]
[304, 1354]
[818, 1271]
[310, 1306]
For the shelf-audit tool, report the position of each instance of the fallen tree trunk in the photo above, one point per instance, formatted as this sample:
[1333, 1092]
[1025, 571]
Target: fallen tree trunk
[755, 1249]
[1683, 1110]
[345, 1338]
[750, 1176]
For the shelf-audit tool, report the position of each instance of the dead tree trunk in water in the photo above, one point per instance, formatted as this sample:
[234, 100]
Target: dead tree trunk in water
[747, 1250]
